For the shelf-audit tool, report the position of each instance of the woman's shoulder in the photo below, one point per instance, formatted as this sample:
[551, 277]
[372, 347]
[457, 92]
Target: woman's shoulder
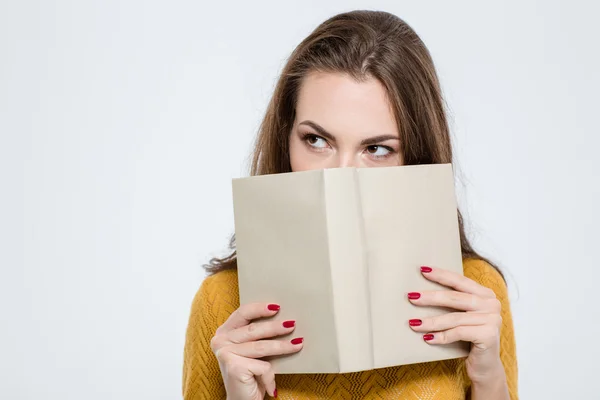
[478, 267]
[222, 280]
[485, 274]
[218, 295]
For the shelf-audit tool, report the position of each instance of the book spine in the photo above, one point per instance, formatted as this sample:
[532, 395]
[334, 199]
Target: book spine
[365, 269]
[349, 275]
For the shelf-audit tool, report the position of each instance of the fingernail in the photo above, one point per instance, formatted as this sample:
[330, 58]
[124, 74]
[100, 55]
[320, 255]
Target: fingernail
[273, 307]
[415, 322]
[428, 336]
[414, 295]
[425, 269]
[297, 340]
[275, 393]
[289, 324]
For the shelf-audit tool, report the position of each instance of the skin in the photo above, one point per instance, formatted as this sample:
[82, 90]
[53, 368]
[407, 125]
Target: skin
[342, 123]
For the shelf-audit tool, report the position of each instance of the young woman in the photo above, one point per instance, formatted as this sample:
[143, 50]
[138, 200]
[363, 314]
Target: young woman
[362, 91]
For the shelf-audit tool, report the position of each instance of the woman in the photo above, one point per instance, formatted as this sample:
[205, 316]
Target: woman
[360, 91]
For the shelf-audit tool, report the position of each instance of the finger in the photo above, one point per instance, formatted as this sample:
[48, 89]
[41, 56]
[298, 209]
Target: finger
[260, 330]
[265, 348]
[482, 336]
[456, 281]
[247, 369]
[248, 312]
[452, 320]
[447, 298]
[265, 375]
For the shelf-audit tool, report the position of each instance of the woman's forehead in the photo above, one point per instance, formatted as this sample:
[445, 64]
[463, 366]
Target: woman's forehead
[340, 104]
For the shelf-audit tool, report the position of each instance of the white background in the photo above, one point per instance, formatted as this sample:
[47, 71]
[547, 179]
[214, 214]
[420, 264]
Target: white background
[123, 122]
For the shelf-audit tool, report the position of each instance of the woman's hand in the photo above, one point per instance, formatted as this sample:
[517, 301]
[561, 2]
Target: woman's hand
[478, 322]
[239, 342]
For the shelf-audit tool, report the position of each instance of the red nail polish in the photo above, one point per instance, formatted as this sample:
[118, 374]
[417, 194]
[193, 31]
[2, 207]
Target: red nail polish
[414, 295]
[297, 340]
[289, 324]
[428, 336]
[425, 269]
[415, 322]
[275, 393]
[273, 307]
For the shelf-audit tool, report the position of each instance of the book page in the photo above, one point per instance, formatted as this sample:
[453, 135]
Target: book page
[283, 258]
[410, 219]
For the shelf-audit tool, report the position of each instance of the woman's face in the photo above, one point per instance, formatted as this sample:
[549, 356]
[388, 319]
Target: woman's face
[342, 123]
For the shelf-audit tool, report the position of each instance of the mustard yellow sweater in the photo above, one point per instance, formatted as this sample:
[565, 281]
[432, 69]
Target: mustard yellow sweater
[218, 297]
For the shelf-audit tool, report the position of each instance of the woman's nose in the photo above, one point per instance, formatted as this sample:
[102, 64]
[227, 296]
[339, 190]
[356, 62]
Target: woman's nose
[347, 159]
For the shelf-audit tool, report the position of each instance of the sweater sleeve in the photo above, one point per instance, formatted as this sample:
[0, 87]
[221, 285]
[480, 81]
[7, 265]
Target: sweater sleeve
[201, 374]
[484, 274]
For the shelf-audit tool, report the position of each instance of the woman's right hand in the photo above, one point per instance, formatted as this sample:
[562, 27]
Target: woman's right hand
[239, 342]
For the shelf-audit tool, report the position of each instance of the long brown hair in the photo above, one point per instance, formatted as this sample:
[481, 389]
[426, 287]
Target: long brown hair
[362, 44]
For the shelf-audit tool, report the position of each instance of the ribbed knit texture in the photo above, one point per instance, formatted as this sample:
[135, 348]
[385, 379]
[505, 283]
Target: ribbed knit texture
[218, 297]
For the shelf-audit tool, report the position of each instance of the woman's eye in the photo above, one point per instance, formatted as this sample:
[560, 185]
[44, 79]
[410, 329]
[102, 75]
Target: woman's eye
[316, 141]
[378, 151]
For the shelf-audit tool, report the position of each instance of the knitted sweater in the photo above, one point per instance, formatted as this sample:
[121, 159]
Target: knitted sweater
[218, 297]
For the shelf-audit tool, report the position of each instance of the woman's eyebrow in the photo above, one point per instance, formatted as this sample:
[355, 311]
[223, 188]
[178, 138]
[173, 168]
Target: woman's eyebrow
[366, 142]
[376, 139]
[320, 130]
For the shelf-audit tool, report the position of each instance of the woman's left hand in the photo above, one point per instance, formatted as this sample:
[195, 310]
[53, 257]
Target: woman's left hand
[478, 322]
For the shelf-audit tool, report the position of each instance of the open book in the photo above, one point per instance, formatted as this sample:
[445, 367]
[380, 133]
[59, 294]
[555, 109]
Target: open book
[339, 249]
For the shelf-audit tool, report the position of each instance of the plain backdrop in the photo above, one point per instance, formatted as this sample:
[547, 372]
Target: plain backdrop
[123, 122]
